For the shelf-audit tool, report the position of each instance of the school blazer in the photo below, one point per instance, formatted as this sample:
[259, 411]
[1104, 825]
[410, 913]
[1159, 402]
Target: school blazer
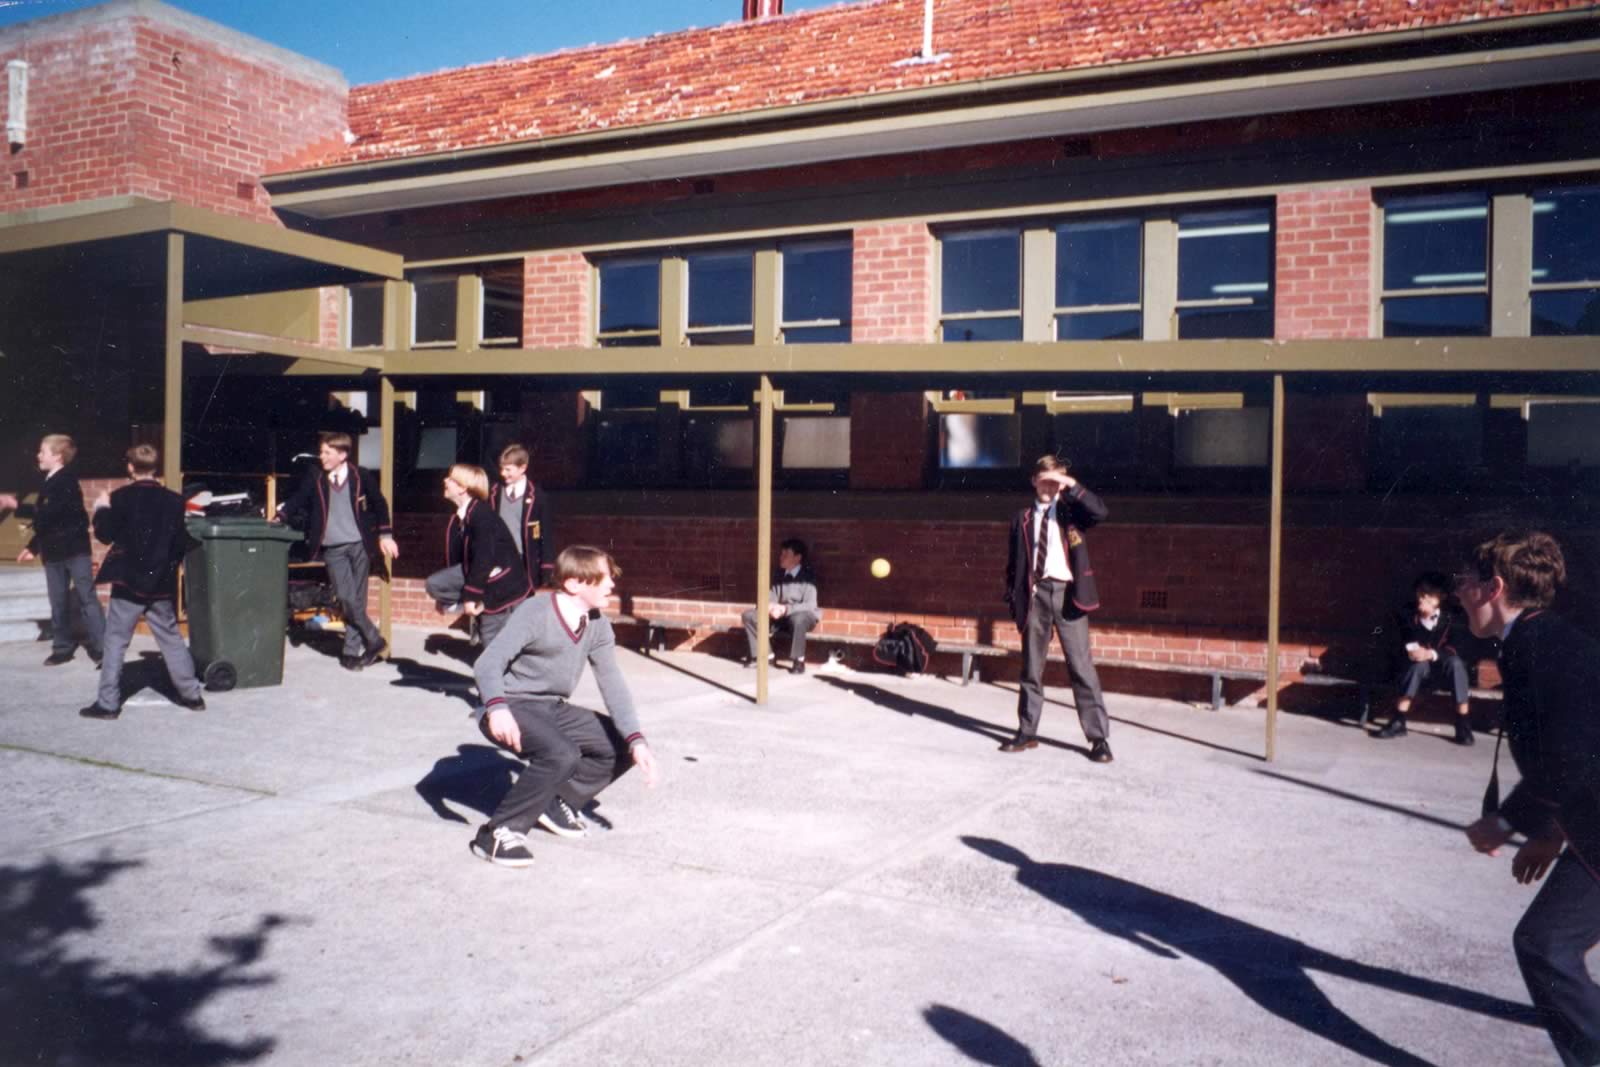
[1077, 510]
[307, 509]
[1550, 672]
[482, 547]
[60, 524]
[144, 525]
[536, 536]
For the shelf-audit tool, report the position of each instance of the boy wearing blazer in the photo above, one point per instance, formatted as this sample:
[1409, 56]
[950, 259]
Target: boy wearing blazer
[525, 510]
[482, 572]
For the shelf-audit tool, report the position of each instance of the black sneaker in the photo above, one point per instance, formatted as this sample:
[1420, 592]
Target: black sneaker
[197, 704]
[1464, 734]
[502, 846]
[1396, 728]
[95, 711]
[561, 820]
[1100, 751]
[371, 655]
[97, 658]
[56, 659]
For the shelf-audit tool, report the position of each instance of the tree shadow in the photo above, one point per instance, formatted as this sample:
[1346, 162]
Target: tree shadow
[1271, 969]
[414, 675]
[65, 1007]
[979, 1041]
[476, 777]
[905, 705]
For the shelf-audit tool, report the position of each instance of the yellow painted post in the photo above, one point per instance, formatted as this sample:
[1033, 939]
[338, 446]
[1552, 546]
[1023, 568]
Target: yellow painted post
[172, 409]
[763, 538]
[1275, 567]
[386, 410]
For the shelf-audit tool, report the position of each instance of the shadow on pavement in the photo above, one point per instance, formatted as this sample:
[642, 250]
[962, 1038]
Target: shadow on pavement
[476, 777]
[658, 661]
[450, 646]
[1356, 798]
[979, 1041]
[63, 1006]
[907, 706]
[1256, 756]
[414, 675]
[1269, 968]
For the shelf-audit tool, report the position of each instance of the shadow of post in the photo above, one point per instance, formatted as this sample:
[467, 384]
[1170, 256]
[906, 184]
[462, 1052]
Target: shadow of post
[65, 1007]
[1271, 969]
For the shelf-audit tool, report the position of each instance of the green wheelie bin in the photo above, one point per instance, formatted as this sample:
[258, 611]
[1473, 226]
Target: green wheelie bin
[236, 582]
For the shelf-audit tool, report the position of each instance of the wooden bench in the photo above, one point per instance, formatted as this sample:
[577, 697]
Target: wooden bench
[1217, 674]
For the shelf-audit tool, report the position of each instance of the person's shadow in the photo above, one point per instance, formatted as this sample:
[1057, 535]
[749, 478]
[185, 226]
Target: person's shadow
[476, 777]
[414, 675]
[908, 706]
[1271, 969]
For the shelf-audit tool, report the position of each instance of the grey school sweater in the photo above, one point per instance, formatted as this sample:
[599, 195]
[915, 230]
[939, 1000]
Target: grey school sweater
[536, 655]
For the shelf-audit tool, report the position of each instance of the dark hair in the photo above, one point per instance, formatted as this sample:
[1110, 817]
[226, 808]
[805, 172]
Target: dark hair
[336, 439]
[1529, 563]
[1432, 583]
[1051, 462]
[144, 459]
[582, 563]
[795, 545]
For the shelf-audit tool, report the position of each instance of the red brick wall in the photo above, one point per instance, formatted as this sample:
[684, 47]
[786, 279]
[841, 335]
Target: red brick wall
[892, 282]
[1324, 270]
[555, 300]
[173, 108]
[888, 440]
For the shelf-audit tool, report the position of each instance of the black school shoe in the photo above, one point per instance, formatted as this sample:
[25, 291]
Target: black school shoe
[56, 659]
[197, 704]
[559, 818]
[502, 847]
[95, 711]
[370, 656]
[1396, 728]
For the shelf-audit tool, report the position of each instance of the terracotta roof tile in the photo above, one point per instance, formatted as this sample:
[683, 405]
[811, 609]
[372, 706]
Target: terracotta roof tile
[841, 52]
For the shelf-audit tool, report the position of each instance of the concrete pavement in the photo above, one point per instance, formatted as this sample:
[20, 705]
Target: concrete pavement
[850, 875]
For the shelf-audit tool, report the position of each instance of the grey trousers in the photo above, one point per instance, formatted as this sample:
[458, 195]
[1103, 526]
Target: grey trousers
[798, 623]
[78, 574]
[1559, 929]
[445, 586]
[162, 618]
[348, 568]
[1052, 611]
[569, 750]
[1444, 668]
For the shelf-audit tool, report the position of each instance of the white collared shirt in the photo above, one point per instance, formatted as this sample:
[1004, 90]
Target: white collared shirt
[338, 475]
[514, 490]
[1055, 560]
[1430, 622]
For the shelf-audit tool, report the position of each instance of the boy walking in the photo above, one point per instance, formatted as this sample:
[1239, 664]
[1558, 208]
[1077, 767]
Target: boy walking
[1551, 674]
[525, 676]
[61, 541]
[1050, 588]
[344, 516]
[143, 524]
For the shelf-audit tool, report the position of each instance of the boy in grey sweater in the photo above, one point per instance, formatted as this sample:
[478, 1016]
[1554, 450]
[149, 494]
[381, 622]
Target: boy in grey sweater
[524, 678]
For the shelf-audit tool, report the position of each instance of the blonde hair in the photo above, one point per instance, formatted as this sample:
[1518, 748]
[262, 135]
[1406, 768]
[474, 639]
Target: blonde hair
[144, 459]
[472, 479]
[514, 454]
[61, 445]
[582, 563]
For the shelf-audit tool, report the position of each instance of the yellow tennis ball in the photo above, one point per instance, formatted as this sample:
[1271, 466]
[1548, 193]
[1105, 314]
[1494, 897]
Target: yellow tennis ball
[880, 568]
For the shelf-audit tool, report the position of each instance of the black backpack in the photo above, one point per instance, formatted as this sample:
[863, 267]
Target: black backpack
[904, 647]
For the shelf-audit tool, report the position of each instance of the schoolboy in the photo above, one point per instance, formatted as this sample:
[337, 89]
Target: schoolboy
[482, 573]
[1550, 671]
[525, 677]
[61, 541]
[791, 604]
[1424, 638]
[526, 510]
[143, 524]
[345, 519]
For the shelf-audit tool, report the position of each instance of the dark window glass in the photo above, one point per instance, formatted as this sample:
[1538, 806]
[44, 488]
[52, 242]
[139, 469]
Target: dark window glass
[1226, 437]
[1204, 323]
[981, 271]
[435, 311]
[1225, 255]
[630, 295]
[970, 441]
[1564, 435]
[1100, 326]
[813, 442]
[1097, 440]
[1418, 446]
[366, 316]
[1566, 235]
[625, 448]
[1097, 262]
[816, 283]
[724, 337]
[1566, 312]
[629, 342]
[1435, 241]
[717, 444]
[502, 304]
[615, 397]
[1436, 316]
[816, 335]
[720, 288]
[1009, 329]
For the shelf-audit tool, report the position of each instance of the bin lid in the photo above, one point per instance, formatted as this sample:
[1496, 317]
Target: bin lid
[240, 528]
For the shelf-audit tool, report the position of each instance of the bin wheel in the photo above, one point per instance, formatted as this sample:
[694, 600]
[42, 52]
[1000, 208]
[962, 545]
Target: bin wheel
[220, 676]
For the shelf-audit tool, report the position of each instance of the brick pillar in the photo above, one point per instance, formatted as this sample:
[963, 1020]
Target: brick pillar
[552, 428]
[888, 440]
[555, 300]
[892, 283]
[1324, 269]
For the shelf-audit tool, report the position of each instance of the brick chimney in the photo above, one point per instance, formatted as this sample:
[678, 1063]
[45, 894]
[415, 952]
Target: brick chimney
[760, 9]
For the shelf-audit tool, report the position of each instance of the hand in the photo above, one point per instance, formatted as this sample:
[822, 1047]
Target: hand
[25, 556]
[503, 728]
[472, 607]
[1534, 858]
[103, 500]
[1420, 655]
[777, 611]
[387, 546]
[1062, 479]
[1487, 835]
[645, 760]
[8, 502]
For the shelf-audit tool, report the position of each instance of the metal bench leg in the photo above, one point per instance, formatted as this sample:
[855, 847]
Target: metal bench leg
[1366, 704]
[652, 634]
[1216, 692]
[966, 667]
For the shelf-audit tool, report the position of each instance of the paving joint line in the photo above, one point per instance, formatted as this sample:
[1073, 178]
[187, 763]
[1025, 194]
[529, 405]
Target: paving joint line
[89, 761]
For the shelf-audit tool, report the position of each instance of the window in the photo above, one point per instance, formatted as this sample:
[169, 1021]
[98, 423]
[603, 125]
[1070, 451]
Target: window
[1435, 265]
[502, 304]
[721, 291]
[1212, 438]
[433, 310]
[1566, 263]
[1098, 433]
[1425, 442]
[364, 316]
[1564, 434]
[981, 285]
[1099, 270]
[816, 292]
[630, 302]
[815, 443]
[1225, 263]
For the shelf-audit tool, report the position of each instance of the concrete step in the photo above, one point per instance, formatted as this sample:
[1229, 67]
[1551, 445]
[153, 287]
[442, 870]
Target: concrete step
[21, 578]
[24, 602]
[20, 631]
[25, 607]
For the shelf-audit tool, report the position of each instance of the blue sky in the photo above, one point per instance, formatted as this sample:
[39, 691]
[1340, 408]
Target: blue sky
[370, 40]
